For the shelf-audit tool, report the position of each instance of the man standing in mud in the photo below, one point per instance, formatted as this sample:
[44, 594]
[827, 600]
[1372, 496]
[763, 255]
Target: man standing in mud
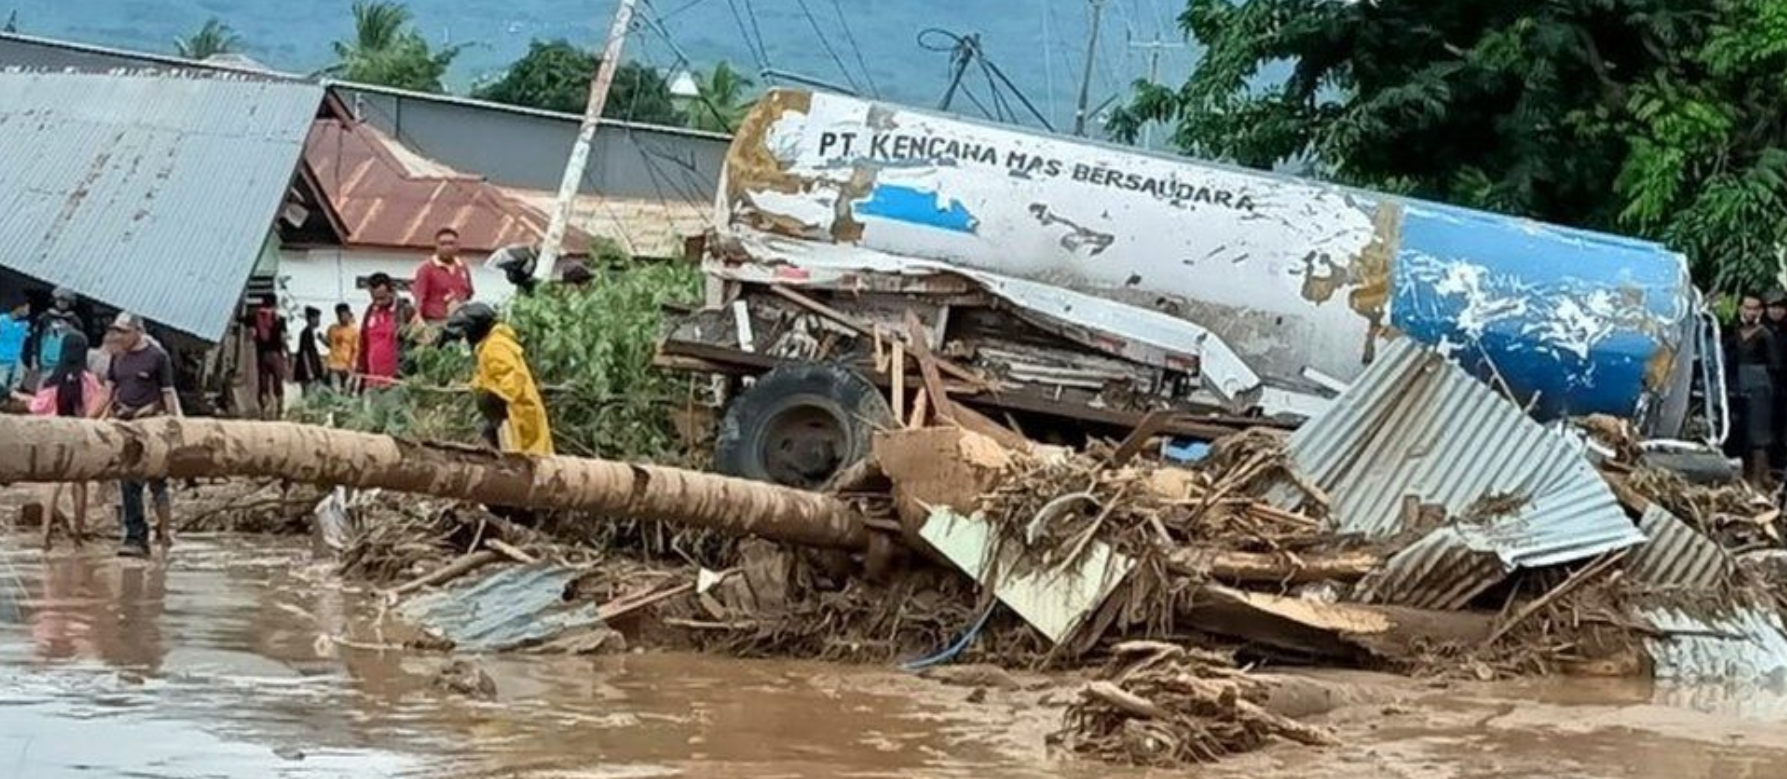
[140, 383]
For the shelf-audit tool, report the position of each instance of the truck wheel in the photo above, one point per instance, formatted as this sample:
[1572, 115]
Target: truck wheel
[799, 425]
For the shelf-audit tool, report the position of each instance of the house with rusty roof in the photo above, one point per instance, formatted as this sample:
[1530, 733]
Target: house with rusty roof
[648, 188]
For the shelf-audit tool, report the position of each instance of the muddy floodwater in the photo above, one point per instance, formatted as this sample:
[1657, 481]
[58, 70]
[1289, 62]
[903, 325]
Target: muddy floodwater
[233, 659]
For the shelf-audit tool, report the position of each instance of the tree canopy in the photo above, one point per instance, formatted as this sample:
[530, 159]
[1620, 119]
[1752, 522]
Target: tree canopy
[1660, 118]
[555, 76]
[387, 50]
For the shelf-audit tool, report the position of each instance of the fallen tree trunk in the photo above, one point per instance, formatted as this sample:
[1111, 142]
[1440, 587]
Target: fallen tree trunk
[40, 449]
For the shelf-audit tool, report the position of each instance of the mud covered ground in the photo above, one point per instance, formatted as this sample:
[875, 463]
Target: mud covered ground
[236, 657]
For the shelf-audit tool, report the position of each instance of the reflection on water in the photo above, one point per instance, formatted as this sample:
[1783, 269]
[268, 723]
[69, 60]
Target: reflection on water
[224, 663]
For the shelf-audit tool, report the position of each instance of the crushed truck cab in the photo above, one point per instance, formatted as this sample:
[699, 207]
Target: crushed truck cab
[1097, 283]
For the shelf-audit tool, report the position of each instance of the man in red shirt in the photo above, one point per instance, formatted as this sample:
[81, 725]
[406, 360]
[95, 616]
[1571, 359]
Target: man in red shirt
[377, 361]
[443, 280]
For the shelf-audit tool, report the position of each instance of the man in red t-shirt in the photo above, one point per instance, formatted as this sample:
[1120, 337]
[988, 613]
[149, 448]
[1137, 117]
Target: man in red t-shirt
[443, 280]
[378, 358]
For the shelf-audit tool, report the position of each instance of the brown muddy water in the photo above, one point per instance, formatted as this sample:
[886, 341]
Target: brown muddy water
[218, 662]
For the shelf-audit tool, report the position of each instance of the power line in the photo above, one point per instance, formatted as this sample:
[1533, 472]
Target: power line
[825, 43]
[761, 57]
[849, 36]
[656, 24]
[757, 30]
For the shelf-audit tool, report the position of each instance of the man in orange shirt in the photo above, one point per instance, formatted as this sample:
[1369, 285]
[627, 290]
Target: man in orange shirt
[344, 346]
[442, 281]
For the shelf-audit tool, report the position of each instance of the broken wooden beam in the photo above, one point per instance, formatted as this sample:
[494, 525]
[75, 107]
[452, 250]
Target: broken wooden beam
[1274, 568]
[862, 328]
[47, 449]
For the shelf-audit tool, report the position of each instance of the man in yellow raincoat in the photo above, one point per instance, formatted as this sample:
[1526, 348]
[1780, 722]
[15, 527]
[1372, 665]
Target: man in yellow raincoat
[514, 413]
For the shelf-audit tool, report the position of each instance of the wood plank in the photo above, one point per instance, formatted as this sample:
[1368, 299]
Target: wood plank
[898, 380]
[919, 408]
[927, 367]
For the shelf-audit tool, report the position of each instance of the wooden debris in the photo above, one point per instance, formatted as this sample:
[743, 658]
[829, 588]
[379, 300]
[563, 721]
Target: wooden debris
[1175, 708]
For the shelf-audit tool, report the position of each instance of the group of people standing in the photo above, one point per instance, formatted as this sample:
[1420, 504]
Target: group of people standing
[371, 353]
[47, 361]
[53, 367]
[1756, 384]
[367, 353]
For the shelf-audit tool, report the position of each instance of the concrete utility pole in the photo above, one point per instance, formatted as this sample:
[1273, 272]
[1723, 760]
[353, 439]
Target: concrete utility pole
[1079, 114]
[592, 114]
[1154, 48]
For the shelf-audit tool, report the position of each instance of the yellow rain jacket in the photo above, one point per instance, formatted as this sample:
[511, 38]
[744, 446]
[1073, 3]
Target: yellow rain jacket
[503, 372]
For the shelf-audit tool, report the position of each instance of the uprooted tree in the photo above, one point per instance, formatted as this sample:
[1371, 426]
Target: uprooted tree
[36, 449]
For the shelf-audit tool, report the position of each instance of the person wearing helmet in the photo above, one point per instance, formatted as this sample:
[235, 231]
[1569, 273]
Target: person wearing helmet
[503, 383]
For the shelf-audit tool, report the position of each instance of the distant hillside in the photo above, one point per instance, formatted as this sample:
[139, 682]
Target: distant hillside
[1040, 44]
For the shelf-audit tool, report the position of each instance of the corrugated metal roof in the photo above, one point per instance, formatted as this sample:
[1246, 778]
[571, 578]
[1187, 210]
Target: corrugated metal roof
[1414, 424]
[1677, 555]
[390, 196]
[152, 193]
[1747, 644]
[513, 607]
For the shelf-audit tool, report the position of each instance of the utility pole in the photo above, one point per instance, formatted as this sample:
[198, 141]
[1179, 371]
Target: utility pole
[1079, 114]
[1154, 48]
[592, 114]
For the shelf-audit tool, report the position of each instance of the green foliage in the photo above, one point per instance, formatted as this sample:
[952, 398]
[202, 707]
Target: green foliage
[590, 351]
[725, 98]
[555, 76]
[595, 348]
[387, 50]
[211, 39]
[1655, 117]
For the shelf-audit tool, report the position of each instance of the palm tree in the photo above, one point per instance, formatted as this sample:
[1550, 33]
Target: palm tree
[724, 99]
[379, 26]
[212, 39]
[386, 50]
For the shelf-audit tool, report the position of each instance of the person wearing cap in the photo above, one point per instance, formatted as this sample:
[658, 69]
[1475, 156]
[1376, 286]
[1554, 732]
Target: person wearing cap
[141, 385]
[509, 400]
[442, 281]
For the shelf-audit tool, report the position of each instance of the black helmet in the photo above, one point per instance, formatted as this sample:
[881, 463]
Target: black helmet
[471, 322]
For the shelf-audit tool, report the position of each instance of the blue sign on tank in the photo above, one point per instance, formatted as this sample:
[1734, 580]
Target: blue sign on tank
[1571, 320]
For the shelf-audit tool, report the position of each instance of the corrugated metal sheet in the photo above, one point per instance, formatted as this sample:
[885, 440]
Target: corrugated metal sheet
[510, 608]
[1747, 644]
[1416, 425]
[1677, 555]
[152, 193]
[389, 196]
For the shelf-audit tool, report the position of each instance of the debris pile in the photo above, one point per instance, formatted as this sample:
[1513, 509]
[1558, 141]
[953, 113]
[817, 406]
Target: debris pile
[1165, 705]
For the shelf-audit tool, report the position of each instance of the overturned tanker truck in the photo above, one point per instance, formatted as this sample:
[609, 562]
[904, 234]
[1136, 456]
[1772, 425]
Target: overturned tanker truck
[1069, 287]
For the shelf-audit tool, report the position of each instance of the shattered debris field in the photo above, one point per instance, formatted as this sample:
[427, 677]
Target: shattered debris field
[1418, 577]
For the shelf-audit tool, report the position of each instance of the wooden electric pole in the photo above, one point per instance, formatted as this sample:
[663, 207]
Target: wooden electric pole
[1079, 114]
[592, 115]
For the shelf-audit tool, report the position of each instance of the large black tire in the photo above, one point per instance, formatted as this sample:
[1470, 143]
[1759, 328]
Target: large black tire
[799, 425]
